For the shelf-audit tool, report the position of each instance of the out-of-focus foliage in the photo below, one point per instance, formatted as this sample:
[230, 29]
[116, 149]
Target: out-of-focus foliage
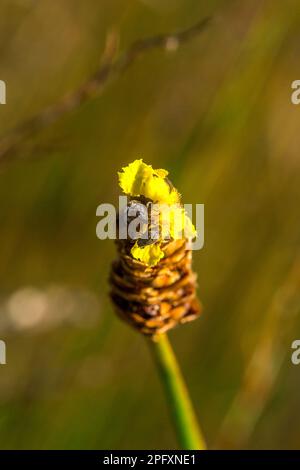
[217, 114]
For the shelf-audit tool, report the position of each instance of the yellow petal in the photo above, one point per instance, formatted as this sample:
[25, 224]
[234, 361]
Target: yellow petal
[140, 179]
[150, 254]
[189, 228]
[175, 223]
[130, 177]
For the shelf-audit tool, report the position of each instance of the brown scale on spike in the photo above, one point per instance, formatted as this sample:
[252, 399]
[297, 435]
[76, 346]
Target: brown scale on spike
[155, 299]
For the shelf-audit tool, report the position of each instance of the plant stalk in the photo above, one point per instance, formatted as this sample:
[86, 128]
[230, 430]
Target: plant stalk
[185, 421]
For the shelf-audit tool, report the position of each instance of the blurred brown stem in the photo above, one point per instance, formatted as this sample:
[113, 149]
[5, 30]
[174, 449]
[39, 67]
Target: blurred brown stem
[110, 68]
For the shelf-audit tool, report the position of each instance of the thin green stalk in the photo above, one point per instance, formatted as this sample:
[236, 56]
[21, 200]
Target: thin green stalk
[189, 434]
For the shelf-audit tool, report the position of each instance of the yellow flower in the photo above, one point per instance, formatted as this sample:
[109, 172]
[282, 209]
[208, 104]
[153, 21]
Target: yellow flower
[175, 223]
[149, 254]
[140, 179]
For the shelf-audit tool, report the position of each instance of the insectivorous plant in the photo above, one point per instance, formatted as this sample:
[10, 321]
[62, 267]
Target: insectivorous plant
[153, 284]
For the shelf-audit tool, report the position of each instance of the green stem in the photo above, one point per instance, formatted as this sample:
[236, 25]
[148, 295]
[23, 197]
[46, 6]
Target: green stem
[189, 434]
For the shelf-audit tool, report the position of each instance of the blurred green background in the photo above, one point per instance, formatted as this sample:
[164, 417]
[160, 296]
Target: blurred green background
[217, 114]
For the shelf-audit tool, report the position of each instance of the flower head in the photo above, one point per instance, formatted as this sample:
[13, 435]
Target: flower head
[153, 286]
[168, 217]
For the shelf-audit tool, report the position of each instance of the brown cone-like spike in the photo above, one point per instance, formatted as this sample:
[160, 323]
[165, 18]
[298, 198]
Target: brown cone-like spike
[155, 299]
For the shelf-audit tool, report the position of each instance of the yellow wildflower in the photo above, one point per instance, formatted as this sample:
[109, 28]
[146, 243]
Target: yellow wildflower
[149, 254]
[139, 179]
